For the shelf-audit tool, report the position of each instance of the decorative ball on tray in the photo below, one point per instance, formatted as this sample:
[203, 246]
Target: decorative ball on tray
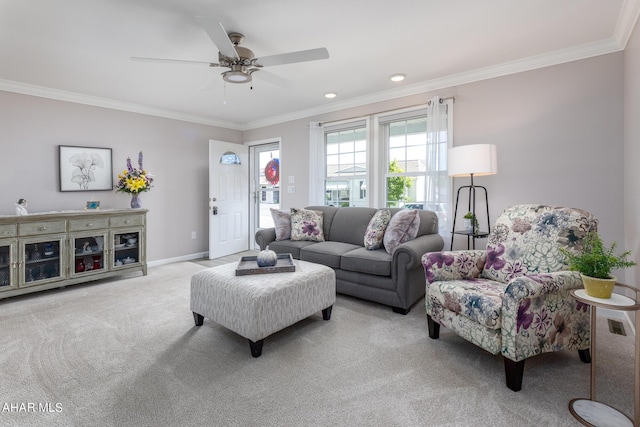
[267, 258]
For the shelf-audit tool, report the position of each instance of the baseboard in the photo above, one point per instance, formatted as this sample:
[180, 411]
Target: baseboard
[189, 257]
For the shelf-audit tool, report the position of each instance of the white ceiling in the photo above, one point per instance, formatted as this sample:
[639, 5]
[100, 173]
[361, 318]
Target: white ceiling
[79, 50]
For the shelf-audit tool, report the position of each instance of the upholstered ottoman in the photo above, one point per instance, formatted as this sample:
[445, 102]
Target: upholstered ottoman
[256, 306]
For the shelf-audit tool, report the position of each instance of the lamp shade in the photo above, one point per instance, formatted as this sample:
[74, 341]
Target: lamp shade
[476, 159]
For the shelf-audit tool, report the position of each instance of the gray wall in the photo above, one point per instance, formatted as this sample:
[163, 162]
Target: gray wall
[175, 152]
[559, 133]
[632, 153]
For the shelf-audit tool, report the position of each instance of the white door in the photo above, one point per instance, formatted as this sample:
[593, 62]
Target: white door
[228, 199]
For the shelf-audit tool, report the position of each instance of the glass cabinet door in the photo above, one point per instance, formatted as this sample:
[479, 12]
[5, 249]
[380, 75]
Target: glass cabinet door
[42, 261]
[89, 255]
[126, 248]
[7, 265]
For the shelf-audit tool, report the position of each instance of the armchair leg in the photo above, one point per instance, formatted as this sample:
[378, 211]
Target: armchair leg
[514, 372]
[585, 356]
[434, 328]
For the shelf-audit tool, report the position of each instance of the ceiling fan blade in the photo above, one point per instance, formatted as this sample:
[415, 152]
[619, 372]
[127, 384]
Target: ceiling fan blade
[273, 79]
[293, 57]
[172, 61]
[219, 36]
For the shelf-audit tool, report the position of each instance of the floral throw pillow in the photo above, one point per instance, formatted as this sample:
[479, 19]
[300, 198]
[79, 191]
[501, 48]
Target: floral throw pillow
[306, 225]
[402, 227]
[282, 222]
[374, 234]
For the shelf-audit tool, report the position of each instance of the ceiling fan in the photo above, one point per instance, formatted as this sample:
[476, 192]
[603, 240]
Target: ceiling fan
[241, 61]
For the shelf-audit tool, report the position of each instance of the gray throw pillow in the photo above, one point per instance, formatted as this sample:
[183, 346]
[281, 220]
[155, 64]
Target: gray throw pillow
[402, 227]
[282, 222]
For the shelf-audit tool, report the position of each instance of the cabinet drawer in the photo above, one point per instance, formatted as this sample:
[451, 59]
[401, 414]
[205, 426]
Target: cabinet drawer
[8, 230]
[127, 220]
[44, 227]
[88, 224]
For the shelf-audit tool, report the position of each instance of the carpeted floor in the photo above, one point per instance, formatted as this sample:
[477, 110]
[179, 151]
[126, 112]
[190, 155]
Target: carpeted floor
[126, 353]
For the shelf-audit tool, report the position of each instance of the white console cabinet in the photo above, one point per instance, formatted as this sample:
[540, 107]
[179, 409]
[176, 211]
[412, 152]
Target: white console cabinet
[56, 249]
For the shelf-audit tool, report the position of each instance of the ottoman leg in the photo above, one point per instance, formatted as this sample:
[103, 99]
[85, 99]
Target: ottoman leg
[198, 318]
[256, 347]
[326, 313]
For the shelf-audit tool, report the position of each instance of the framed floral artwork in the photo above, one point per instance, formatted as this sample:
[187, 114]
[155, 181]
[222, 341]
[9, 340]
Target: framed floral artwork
[85, 168]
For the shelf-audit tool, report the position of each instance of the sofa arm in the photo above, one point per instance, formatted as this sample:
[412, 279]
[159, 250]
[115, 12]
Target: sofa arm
[453, 265]
[411, 251]
[265, 236]
[540, 315]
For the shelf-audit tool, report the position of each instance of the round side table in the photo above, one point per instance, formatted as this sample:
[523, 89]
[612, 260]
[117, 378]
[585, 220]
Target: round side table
[590, 412]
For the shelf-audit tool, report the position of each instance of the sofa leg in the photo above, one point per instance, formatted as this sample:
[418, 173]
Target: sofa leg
[400, 310]
[434, 328]
[514, 372]
[585, 356]
[256, 347]
[198, 318]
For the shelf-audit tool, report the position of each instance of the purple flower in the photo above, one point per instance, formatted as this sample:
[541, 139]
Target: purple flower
[494, 257]
[129, 167]
[580, 306]
[140, 160]
[524, 318]
[440, 259]
[310, 228]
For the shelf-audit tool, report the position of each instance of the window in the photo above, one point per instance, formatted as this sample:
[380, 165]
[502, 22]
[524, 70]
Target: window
[416, 160]
[400, 162]
[345, 164]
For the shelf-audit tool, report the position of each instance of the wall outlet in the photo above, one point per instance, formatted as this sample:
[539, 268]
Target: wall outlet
[291, 189]
[193, 235]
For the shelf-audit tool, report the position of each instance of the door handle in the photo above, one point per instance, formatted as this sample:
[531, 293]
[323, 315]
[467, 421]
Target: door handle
[214, 210]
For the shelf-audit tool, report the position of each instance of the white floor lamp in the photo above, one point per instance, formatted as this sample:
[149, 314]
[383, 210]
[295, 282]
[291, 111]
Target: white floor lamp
[472, 160]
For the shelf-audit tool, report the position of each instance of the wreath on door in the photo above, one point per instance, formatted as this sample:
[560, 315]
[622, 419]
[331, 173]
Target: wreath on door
[272, 171]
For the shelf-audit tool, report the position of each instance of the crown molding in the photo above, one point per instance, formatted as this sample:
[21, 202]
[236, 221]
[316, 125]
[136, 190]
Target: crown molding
[627, 19]
[78, 98]
[562, 56]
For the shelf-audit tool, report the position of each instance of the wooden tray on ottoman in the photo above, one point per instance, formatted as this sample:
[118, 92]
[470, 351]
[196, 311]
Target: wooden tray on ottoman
[249, 265]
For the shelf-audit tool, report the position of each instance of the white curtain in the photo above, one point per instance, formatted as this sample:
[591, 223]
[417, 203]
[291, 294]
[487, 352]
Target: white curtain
[440, 138]
[316, 162]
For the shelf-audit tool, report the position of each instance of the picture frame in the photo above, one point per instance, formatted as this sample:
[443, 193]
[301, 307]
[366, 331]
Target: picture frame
[85, 168]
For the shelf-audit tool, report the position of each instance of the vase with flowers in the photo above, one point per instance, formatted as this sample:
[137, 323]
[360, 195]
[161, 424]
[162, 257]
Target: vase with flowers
[134, 181]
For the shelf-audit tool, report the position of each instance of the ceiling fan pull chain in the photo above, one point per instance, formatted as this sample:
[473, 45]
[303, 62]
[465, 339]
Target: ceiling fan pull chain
[224, 101]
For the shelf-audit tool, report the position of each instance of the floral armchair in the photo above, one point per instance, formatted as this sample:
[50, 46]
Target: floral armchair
[513, 298]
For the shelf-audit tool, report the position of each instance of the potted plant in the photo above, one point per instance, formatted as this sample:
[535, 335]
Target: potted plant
[470, 222]
[595, 262]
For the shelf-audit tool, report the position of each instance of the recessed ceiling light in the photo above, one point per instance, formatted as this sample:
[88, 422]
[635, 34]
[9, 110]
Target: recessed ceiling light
[330, 95]
[397, 77]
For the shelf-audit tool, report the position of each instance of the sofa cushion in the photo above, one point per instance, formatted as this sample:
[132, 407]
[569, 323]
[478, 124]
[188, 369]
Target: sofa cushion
[375, 230]
[290, 247]
[306, 225]
[402, 227]
[349, 225]
[282, 224]
[361, 260]
[327, 253]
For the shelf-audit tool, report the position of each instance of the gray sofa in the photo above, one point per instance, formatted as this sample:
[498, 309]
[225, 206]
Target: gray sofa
[396, 280]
